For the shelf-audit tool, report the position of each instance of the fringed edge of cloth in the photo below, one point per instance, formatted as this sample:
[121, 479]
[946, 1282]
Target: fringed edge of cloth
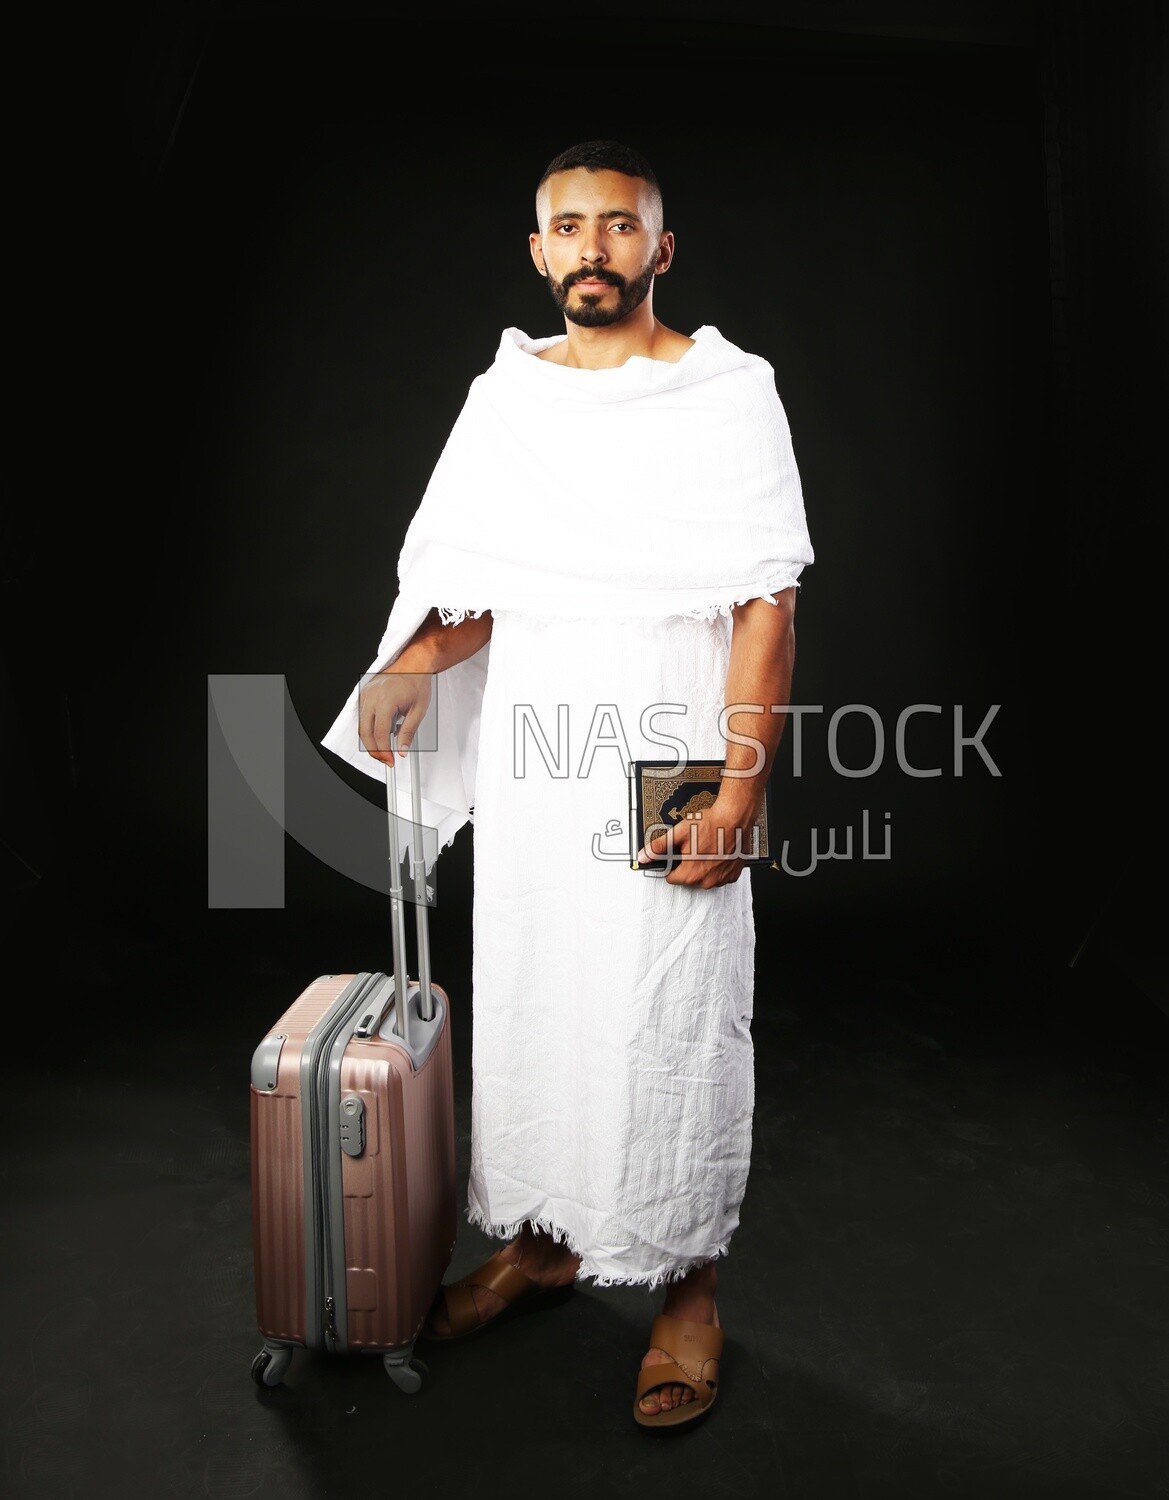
[649, 1279]
[452, 614]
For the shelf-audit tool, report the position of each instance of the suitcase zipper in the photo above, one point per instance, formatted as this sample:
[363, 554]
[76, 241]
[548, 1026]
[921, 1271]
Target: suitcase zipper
[320, 1273]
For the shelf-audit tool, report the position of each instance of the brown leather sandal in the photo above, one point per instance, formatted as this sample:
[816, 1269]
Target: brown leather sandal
[497, 1275]
[695, 1349]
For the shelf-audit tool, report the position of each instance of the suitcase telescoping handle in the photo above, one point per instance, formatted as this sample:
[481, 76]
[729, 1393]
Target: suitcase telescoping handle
[421, 911]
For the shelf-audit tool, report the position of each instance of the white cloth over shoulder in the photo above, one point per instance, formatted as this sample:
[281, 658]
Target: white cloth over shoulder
[651, 490]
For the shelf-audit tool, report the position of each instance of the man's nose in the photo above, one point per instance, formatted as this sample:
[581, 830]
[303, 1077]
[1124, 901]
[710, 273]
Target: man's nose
[591, 252]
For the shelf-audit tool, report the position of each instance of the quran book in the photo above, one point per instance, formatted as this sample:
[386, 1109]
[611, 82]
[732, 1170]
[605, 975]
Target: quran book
[664, 794]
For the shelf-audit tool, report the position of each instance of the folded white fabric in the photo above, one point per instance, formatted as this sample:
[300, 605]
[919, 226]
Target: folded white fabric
[651, 489]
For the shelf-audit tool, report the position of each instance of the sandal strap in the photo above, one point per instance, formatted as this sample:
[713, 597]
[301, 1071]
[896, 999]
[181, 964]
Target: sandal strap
[495, 1275]
[689, 1345]
[501, 1277]
[649, 1377]
[461, 1312]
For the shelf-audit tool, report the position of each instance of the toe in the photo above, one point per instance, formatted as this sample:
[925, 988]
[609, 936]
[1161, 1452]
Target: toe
[664, 1397]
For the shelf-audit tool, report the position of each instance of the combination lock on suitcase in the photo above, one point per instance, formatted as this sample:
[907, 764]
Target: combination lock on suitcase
[353, 1155]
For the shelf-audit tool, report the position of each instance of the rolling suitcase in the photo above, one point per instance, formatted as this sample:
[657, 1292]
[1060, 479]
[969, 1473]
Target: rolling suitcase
[353, 1154]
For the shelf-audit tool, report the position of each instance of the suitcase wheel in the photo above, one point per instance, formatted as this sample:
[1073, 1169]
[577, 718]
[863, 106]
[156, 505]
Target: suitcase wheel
[406, 1371]
[271, 1364]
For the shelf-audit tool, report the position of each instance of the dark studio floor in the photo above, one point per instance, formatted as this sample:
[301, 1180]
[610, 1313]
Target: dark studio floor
[949, 1279]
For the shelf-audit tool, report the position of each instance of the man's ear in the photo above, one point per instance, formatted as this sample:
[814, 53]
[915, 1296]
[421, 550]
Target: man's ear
[665, 253]
[536, 246]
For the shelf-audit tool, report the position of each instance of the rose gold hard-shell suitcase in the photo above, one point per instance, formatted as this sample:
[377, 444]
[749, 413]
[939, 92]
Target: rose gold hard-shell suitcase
[353, 1156]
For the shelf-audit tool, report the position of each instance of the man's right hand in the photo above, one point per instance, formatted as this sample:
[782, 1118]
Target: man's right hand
[385, 698]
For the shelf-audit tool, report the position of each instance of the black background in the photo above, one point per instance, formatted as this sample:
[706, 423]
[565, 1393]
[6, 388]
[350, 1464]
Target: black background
[278, 243]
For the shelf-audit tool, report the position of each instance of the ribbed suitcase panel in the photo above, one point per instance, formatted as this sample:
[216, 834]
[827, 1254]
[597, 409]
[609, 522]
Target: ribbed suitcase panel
[429, 1136]
[308, 1008]
[400, 1209]
[278, 1214]
[277, 1165]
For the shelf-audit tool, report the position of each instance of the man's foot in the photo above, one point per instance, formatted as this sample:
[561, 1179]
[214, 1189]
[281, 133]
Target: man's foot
[537, 1255]
[692, 1298]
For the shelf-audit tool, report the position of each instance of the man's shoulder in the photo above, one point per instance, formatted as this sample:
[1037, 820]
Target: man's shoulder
[726, 351]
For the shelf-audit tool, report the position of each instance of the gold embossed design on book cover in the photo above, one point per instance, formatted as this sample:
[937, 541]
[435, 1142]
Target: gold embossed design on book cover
[667, 796]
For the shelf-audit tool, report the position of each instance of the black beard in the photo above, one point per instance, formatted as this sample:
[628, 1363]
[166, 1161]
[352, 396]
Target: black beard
[589, 311]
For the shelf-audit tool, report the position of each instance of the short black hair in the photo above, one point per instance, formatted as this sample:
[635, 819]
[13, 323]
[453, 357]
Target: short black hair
[603, 156]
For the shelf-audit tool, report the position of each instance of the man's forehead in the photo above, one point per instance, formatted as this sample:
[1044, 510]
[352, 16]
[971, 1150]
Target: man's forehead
[585, 193]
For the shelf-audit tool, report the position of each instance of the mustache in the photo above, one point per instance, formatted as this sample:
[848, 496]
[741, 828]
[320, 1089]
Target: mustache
[609, 277]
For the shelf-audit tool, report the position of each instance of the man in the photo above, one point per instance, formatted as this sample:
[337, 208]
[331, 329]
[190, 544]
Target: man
[605, 561]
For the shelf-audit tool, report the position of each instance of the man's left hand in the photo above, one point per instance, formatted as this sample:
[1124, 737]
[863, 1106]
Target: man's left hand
[703, 849]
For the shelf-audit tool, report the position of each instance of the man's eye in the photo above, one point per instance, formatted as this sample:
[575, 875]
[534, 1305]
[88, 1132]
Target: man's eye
[621, 224]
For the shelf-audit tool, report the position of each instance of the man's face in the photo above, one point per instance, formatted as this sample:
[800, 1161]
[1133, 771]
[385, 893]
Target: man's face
[600, 244]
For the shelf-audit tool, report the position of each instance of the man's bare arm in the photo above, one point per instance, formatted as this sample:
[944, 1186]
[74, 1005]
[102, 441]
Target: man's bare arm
[763, 653]
[434, 646]
[763, 656]
[402, 690]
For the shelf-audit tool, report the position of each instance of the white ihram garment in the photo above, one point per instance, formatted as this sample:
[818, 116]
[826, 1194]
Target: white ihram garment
[612, 1060]
[612, 1086]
